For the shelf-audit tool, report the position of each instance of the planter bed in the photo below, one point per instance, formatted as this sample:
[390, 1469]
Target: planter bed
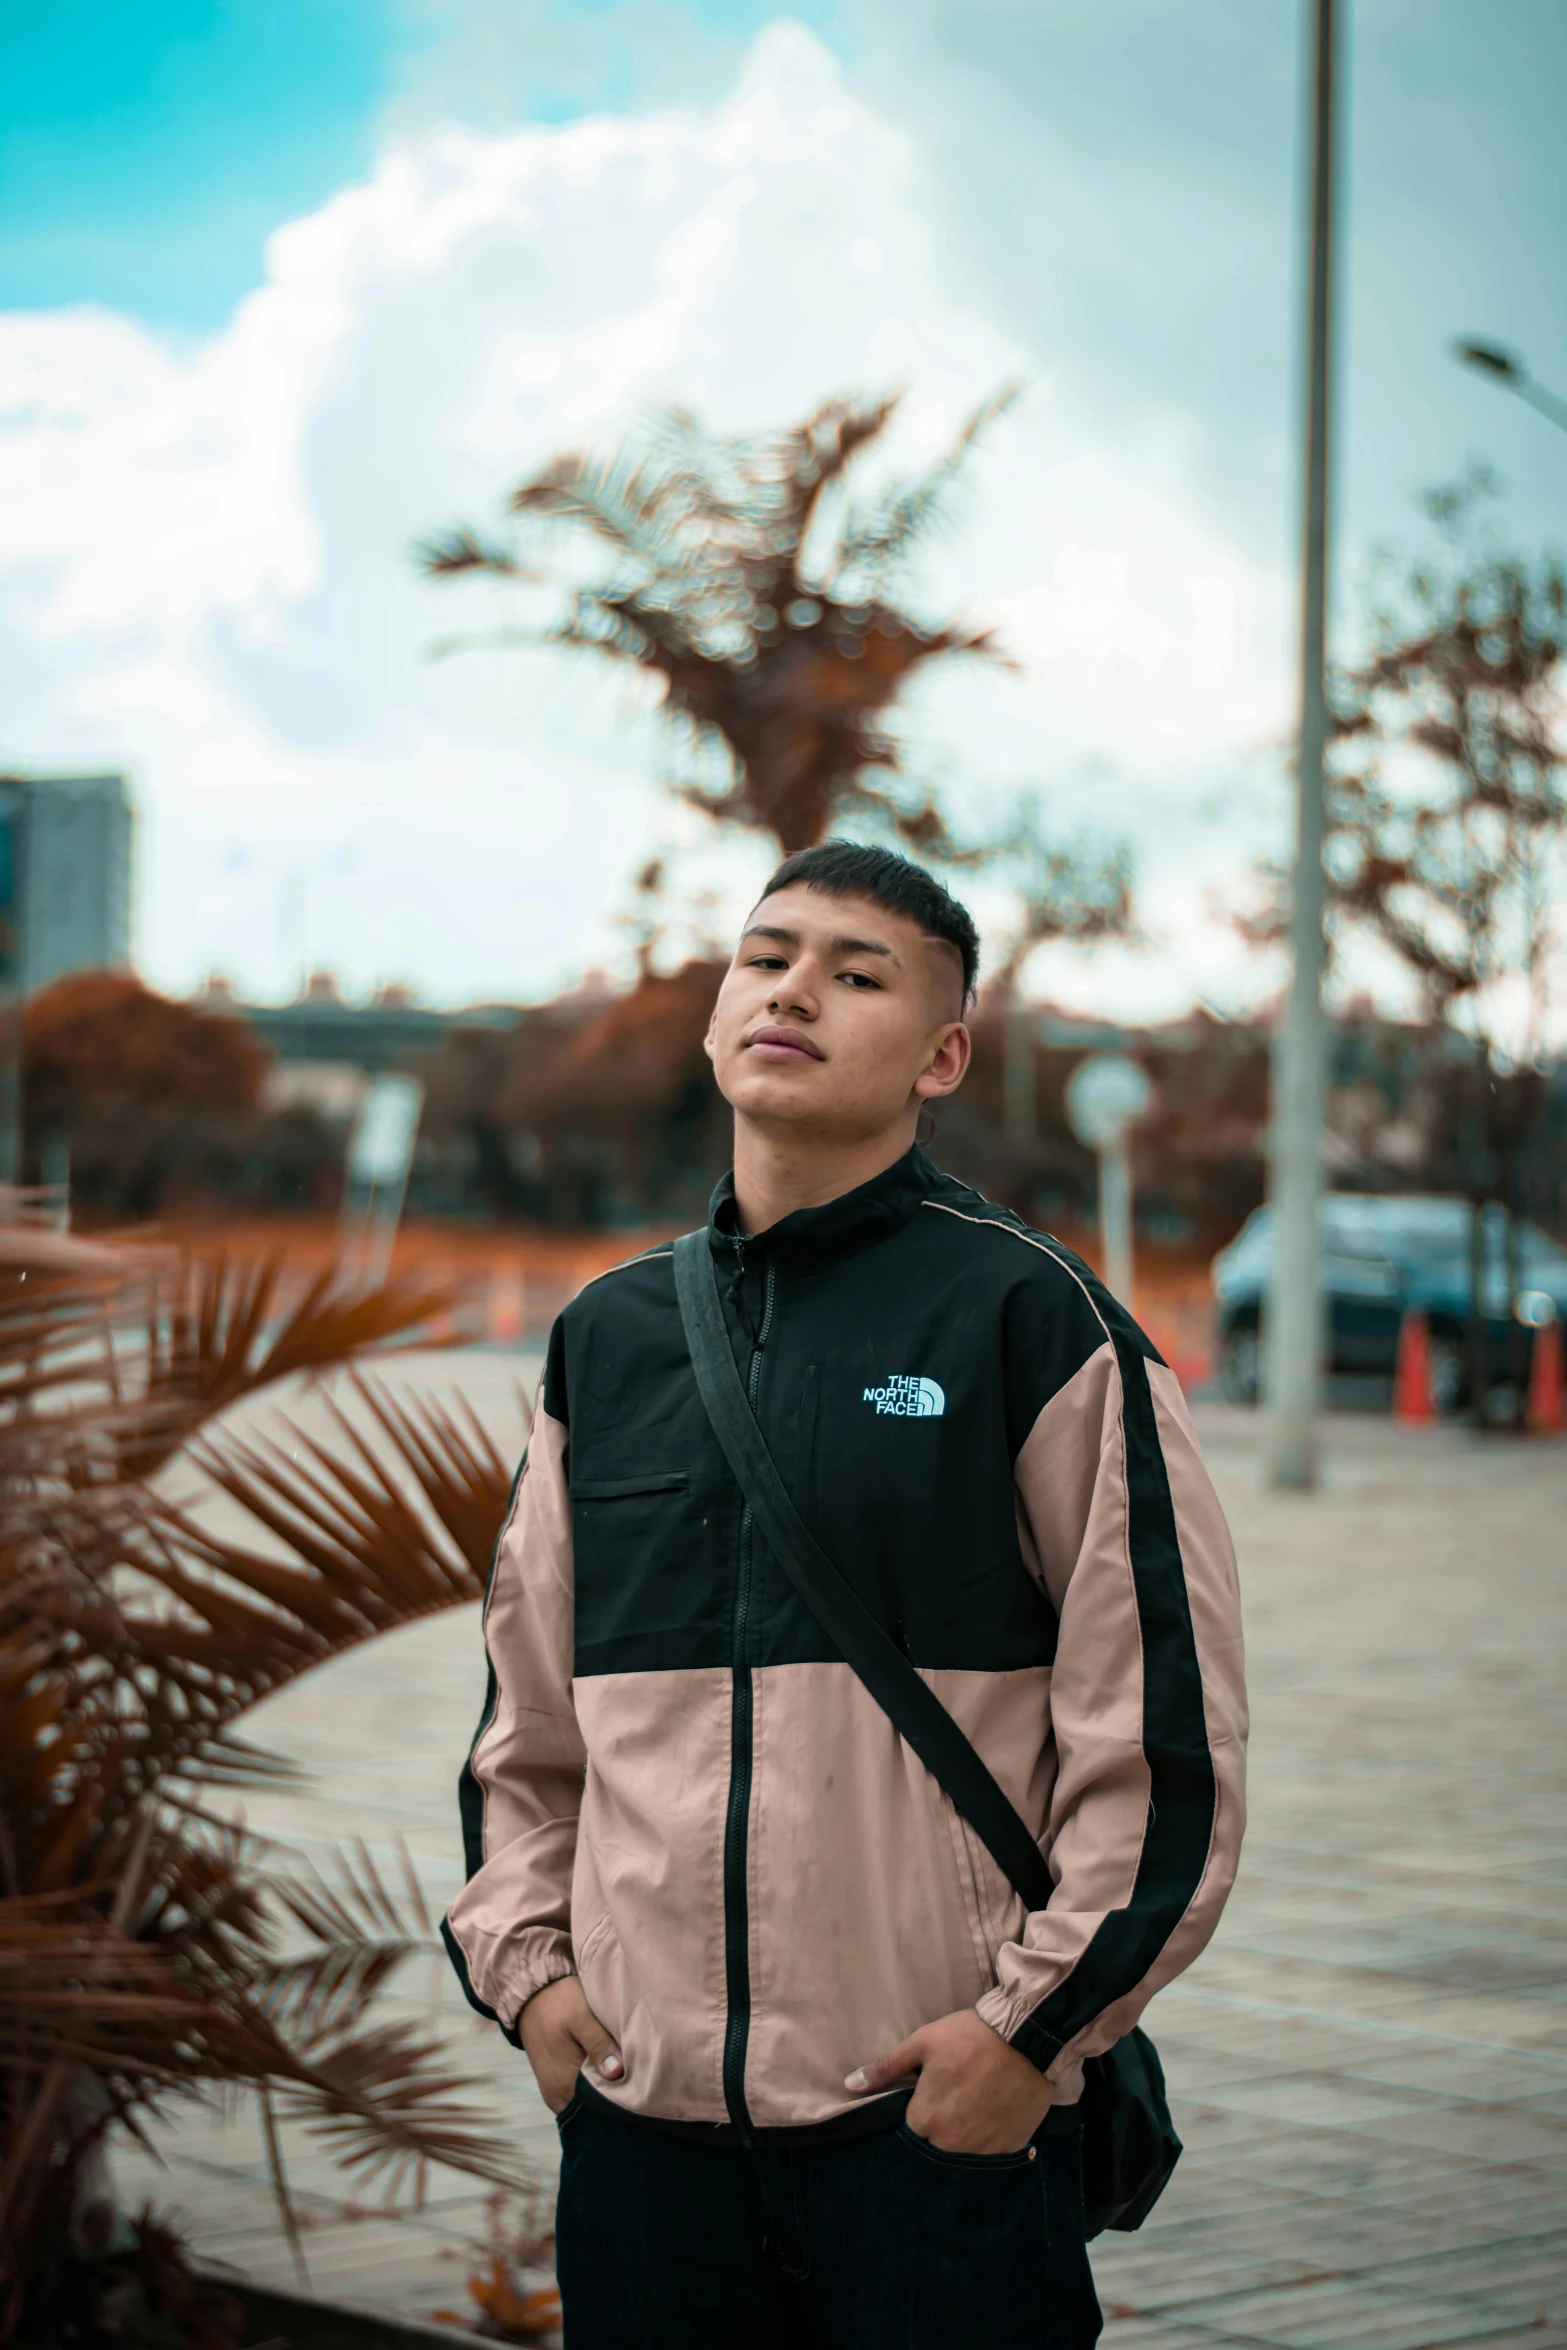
[303, 2323]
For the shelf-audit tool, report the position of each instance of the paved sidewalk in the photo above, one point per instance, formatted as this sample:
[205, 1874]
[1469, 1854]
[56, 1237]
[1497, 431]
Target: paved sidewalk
[1370, 2064]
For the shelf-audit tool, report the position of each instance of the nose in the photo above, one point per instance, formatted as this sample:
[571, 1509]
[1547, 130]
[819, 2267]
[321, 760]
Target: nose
[793, 996]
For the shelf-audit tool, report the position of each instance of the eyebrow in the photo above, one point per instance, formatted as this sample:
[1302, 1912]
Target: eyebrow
[840, 946]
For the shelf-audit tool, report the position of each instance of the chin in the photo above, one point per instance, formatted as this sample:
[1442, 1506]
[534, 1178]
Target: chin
[757, 1089]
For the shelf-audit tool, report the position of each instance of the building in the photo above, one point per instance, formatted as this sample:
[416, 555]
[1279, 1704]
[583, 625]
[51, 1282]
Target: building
[65, 876]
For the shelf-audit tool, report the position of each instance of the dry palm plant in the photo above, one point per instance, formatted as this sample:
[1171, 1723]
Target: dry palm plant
[765, 586]
[753, 580]
[149, 1949]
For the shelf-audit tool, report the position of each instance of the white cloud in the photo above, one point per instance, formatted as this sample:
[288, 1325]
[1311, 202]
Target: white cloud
[204, 554]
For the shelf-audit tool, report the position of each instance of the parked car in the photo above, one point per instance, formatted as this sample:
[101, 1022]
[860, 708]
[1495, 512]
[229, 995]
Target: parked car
[1380, 1257]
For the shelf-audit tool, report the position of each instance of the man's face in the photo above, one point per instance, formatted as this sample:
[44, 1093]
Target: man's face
[836, 1019]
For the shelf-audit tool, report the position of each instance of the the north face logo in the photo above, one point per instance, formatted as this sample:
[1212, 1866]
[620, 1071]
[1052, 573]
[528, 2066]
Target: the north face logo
[907, 1399]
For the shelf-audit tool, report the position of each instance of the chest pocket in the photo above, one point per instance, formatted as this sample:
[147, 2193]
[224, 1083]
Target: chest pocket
[622, 1488]
[649, 1574]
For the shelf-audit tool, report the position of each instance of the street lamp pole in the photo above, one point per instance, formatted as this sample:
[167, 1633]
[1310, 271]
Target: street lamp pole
[1293, 1336]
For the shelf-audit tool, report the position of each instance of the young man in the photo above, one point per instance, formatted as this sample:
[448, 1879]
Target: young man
[813, 2064]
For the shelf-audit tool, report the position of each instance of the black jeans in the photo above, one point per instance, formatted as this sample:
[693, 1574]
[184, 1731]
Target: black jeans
[872, 2243]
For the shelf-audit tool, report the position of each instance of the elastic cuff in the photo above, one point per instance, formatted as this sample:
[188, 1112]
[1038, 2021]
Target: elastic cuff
[539, 1979]
[512, 1996]
[1020, 2031]
[1042, 2048]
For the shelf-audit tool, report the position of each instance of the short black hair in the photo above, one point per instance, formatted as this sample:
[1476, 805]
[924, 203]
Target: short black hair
[850, 869]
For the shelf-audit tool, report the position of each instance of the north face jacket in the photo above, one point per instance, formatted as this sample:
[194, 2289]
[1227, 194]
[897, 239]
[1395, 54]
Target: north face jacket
[681, 1791]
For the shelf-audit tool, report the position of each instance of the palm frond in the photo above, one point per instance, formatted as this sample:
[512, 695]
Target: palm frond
[384, 1524]
[454, 1461]
[386, 2098]
[596, 623]
[73, 1989]
[362, 1932]
[217, 1329]
[54, 1336]
[463, 550]
[874, 542]
[635, 505]
[386, 2102]
[362, 1553]
[800, 467]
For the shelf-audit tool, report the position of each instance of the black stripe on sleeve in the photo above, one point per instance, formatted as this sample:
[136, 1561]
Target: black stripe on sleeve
[470, 1795]
[1182, 1794]
[458, 1957]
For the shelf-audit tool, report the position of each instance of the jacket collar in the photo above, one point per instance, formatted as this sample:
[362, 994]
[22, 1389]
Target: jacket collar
[870, 1212]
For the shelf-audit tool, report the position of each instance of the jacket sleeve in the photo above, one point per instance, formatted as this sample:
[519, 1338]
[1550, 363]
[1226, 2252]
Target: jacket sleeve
[1147, 1701]
[509, 1930]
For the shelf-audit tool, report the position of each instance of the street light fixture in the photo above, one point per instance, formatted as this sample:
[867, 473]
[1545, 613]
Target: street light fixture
[1504, 367]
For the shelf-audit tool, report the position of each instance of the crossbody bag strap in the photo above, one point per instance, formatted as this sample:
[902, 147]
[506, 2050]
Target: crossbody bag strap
[909, 1702]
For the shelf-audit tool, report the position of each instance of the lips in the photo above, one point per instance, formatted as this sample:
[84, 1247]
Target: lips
[784, 1044]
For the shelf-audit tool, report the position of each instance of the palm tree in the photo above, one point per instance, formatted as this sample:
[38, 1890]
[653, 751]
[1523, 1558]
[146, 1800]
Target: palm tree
[149, 1950]
[749, 576]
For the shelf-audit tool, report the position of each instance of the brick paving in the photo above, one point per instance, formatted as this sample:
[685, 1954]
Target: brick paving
[1369, 2066]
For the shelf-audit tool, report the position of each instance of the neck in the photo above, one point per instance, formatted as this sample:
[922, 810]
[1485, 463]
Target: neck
[777, 1173]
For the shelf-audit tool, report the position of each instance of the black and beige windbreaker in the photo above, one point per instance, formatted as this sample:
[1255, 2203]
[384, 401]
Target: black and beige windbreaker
[679, 1790]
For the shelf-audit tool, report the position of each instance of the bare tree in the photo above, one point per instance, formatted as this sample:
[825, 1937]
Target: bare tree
[1442, 828]
[1447, 807]
[1069, 893]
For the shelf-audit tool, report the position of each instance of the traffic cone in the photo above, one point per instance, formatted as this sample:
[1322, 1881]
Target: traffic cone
[1412, 1397]
[1547, 1407]
[1191, 1360]
[508, 1308]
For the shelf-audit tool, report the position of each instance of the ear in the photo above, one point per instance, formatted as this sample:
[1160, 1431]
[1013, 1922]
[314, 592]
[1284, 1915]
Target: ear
[947, 1067]
[709, 1041]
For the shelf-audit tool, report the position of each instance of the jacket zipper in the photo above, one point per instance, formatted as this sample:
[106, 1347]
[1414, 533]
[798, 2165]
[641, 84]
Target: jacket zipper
[737, 1923]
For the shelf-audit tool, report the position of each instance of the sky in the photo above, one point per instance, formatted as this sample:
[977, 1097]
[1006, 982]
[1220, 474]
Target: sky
[287, 285]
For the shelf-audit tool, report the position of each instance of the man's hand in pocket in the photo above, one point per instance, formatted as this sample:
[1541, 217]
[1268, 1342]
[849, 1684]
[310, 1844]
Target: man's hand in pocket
[560, 2033]
[973, 2094]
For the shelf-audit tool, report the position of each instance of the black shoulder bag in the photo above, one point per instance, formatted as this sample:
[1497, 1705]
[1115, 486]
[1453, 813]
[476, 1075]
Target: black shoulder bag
[1129, 2141]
